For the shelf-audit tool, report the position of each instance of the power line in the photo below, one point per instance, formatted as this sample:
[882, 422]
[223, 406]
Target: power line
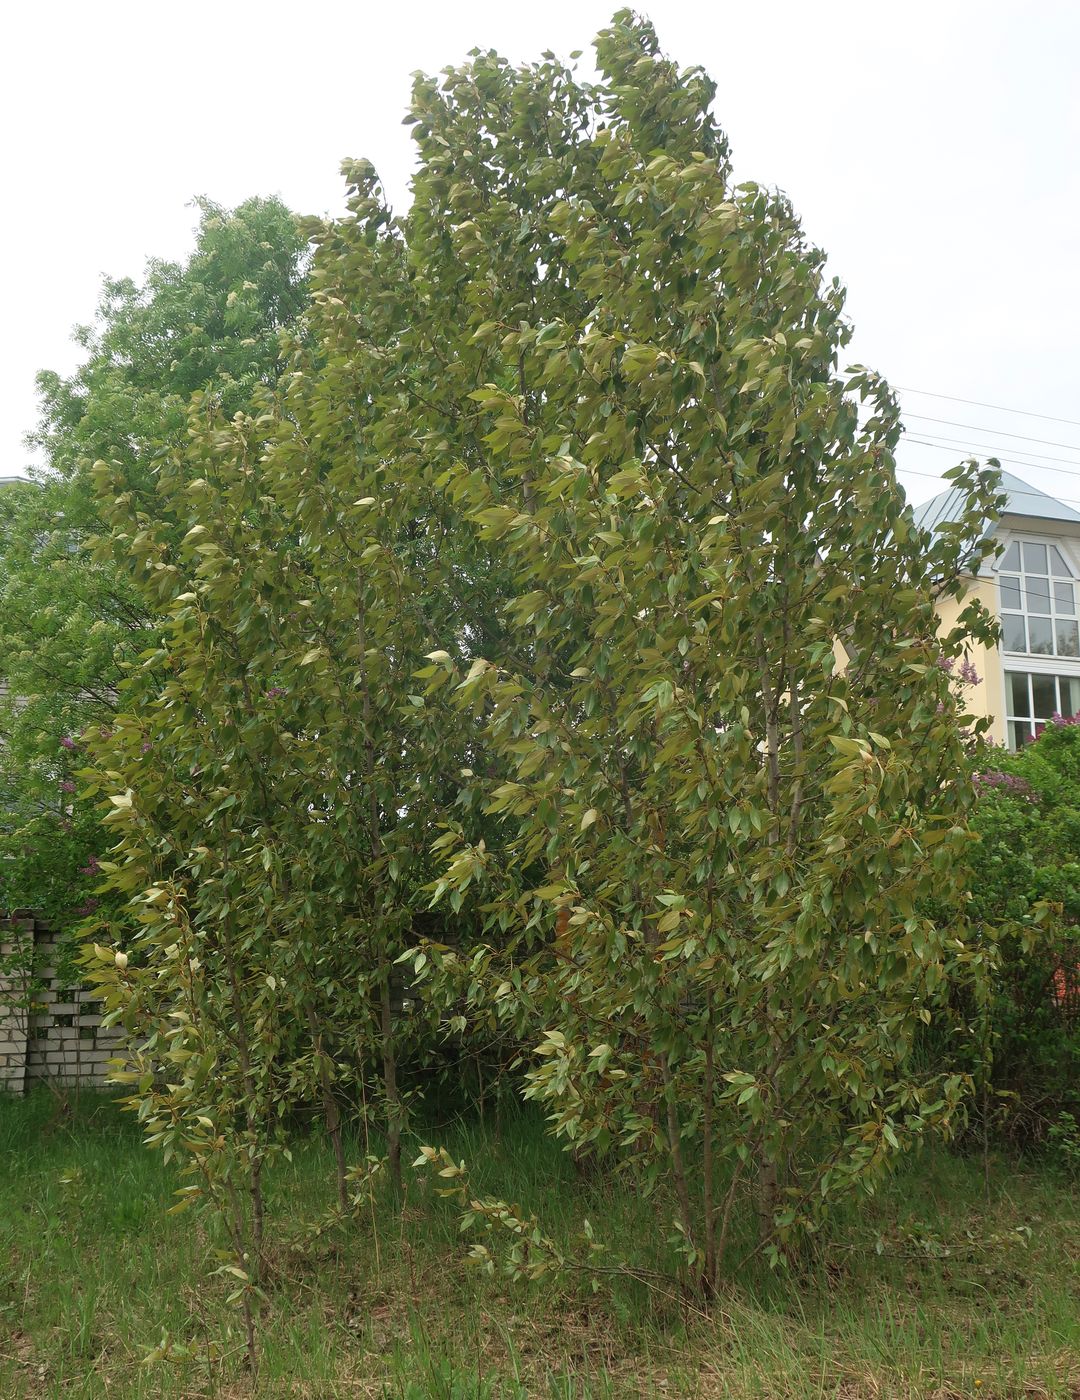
[998, 432]
[1031, 495]
[930, 476]
[998, 408]
[989, 447]
[1013, 461]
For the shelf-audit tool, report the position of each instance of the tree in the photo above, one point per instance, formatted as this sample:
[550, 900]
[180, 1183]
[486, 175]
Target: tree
[718, 835]
[71, 620]
[561, 550]
[273, 777]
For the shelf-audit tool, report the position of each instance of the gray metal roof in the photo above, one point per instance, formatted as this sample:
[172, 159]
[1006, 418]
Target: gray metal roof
[1022, 500]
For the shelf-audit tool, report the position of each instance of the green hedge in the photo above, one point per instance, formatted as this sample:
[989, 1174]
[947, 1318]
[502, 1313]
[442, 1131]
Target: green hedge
[1028, 857]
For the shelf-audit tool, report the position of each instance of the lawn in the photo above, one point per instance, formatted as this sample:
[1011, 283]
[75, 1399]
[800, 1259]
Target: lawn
[930, 1290]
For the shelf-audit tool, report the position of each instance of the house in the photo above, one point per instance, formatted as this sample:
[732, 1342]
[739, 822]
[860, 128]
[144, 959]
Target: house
[1033, 588]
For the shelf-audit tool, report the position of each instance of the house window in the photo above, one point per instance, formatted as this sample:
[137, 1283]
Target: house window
[1032, 701]
[1038, 601]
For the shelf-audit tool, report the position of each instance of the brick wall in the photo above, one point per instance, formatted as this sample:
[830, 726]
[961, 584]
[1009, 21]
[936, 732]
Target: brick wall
[16, 944]
[59, 1036]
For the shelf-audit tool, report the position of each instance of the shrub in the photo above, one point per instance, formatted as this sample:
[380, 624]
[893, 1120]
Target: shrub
[1026, 879]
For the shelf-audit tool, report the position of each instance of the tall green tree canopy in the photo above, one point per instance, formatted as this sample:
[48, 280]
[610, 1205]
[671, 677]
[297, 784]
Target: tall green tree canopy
[564, 549]
[213, 324]
[730, 767]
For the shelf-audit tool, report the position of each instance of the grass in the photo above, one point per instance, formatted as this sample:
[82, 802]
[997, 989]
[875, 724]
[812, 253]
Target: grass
[967, 1296]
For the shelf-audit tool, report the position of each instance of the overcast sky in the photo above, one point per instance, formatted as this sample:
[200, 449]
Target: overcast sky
[931, 149]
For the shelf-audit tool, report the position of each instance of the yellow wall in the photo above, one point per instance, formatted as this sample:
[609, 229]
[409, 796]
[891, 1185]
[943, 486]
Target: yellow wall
[987, 698]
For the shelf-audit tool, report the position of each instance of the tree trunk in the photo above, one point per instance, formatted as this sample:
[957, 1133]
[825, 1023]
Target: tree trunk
[767, 1192]
[678, 1167]
[393, 1099]
[710, 1276]
[331, 1113]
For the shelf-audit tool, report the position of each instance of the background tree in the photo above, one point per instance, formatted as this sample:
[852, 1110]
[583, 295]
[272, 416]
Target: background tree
[212, 324]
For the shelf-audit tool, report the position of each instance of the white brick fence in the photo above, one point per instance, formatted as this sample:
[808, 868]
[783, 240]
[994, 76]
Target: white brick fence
[50, 1025]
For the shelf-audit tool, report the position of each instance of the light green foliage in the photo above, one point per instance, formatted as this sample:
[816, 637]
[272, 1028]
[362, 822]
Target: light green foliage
[211, 324]
[274, 778]
[62, 622]
[70, 620]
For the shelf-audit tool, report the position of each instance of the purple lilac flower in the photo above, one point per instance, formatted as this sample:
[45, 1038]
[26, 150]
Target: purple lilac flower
[274, 692]
[68, 742]
[1012, 783]
[67, 785]
[968, 673]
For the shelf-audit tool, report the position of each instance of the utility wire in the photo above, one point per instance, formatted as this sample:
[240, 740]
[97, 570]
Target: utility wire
[990, 447]
[930, 476]
[1014, 461]
[940, 439]
[998, 408]
[998, 432]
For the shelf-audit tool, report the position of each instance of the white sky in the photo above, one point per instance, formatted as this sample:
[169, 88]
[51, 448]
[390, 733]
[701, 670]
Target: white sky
[931, 148]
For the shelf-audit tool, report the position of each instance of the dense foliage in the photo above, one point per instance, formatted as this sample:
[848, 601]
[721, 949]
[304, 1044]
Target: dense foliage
[72, 621]
[704, 892]
[1026, 882]
[559, 581]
